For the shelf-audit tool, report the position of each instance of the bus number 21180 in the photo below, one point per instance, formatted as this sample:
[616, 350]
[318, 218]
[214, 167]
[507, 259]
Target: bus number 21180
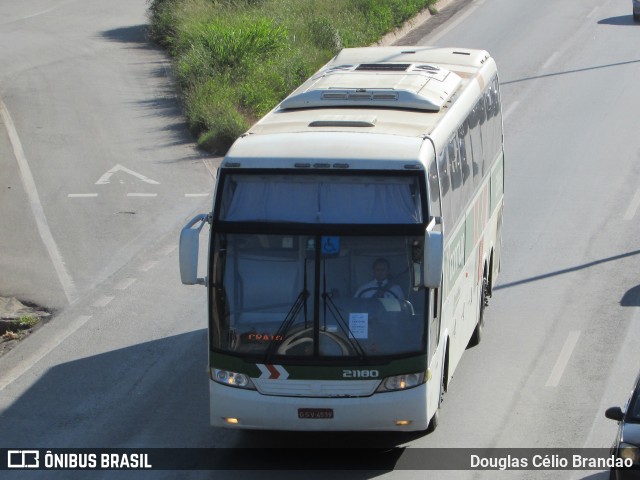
[360, 374]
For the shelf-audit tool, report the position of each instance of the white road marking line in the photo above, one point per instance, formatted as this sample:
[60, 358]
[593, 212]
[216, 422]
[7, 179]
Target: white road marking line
[148, 266]
[633, 206]
[550, 60]
[55, 337]
[103, 301]
[44, 12]
[124, 284]
[105, 179]
[167, 250]
[510, 110]
[82, 195]
[563, 359]
[593, 12]
[36, 207]
[190, 195]
[142, 194]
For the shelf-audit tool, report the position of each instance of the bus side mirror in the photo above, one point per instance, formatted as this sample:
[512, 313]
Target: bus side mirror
[614, 413]
[189, 247]
[433, 256]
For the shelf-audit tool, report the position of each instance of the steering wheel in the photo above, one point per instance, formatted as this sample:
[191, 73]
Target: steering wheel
[385, 289]
[305, 336]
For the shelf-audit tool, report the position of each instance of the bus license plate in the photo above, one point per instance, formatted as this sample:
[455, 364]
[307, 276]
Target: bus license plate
[315, 413]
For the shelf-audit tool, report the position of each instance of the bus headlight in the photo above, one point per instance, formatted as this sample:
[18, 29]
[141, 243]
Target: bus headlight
[401, 382]
[232, 379]
[632, 452]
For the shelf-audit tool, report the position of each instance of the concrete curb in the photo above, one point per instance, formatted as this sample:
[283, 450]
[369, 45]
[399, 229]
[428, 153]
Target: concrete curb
[399, 33]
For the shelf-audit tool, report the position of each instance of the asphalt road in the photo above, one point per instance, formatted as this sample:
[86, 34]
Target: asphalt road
[99, 162]
[123, 364]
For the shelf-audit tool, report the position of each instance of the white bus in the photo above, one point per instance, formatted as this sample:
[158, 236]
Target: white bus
[388, 159]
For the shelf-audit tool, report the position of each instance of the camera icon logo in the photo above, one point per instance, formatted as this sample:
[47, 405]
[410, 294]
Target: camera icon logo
[23, 459]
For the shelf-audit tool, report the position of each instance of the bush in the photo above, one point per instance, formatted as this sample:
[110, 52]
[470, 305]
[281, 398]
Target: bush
[235, 60]
[213, 116]
[162, 24]
[324, 35]
[265, 84]
[230, 45]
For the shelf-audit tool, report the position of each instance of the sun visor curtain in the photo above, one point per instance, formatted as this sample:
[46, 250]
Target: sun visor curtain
[255, 199]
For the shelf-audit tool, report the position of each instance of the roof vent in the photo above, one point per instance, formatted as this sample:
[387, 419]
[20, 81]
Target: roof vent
[426, 68]
[344, 121]
[334, 96]
[417, 86]
[383, 67]
[338, 68]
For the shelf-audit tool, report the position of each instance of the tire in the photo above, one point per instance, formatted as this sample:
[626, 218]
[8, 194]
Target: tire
[433, 423]
[636, 17]
[476, 337]
[435, 420]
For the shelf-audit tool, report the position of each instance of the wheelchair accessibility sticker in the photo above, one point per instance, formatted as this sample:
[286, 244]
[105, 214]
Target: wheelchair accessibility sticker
[330, 245]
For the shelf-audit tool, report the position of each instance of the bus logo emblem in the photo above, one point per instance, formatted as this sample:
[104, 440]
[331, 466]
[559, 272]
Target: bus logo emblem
[272, 372]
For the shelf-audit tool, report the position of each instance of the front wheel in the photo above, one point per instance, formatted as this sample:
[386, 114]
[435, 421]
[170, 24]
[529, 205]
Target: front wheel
[433, 423]
[435, 420]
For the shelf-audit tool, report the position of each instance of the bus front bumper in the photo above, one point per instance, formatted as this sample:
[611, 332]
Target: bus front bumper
[400, 411]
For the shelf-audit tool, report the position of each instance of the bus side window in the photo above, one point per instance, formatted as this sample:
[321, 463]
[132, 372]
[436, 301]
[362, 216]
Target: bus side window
[456, 178]
[485, 128]
[445, 187]
[434, 321]
[497, 119]
[434, 191]
[464, 147]
[476, 143]
[489, 131]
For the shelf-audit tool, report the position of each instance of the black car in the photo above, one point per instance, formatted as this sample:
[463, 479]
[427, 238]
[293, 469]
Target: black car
[627, 443]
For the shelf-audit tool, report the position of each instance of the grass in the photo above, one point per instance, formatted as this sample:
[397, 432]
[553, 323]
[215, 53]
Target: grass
[235, 60]
[13, 329]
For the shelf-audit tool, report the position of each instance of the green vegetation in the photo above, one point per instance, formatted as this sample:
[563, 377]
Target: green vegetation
[13, 329]
[235, 60]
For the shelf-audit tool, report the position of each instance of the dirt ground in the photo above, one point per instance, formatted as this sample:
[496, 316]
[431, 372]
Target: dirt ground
[11, 330]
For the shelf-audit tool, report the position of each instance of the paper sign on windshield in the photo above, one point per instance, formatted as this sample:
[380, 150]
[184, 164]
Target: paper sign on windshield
[359, 325]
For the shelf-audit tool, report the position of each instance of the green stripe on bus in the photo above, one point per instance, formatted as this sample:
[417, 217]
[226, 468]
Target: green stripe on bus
[320, 372]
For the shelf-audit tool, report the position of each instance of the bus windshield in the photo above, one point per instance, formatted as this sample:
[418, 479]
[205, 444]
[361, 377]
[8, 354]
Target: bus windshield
[312, 297]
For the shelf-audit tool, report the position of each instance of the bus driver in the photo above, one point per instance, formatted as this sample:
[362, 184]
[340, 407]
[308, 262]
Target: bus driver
[380, 286]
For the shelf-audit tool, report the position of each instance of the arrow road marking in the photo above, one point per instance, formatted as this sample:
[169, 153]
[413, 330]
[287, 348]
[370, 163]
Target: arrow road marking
[105, 179]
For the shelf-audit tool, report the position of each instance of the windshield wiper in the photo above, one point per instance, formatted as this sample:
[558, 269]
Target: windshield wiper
[301, 301]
